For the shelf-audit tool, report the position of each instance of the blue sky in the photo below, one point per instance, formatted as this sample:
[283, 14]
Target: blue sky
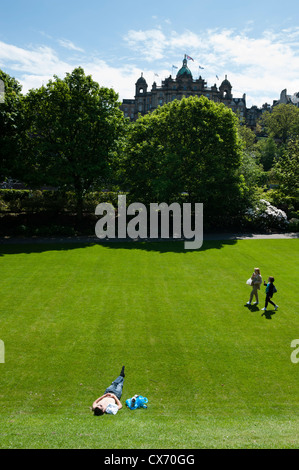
[254, 43]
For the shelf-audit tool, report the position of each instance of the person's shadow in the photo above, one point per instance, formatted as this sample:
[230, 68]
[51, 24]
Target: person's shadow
[268, 314]
[252, 308]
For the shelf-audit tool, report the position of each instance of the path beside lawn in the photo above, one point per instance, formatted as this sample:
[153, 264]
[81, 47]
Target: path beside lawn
[93, 239]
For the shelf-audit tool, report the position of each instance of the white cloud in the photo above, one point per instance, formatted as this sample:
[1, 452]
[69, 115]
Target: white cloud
[150, 44]
[35, 67]
[69, 45]
[40, 60]
[260, 67]
[121, 79]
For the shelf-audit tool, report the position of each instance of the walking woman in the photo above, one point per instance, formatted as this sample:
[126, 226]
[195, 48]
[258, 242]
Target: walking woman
[256, 281]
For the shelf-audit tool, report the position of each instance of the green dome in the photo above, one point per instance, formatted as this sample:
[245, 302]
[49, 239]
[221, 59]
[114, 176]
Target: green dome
[184, 70]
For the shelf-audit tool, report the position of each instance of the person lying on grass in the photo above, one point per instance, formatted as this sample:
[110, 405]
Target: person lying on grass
[110, 402]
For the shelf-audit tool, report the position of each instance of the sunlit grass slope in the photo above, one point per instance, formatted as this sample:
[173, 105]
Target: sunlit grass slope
[217, 374]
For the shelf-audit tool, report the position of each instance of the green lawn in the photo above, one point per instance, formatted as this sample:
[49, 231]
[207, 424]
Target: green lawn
[217, 374]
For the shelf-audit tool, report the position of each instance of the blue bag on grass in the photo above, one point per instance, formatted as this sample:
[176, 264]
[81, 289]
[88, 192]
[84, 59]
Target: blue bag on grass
[137, 401]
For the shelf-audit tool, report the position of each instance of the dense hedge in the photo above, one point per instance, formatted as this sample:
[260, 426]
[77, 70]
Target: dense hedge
[50, 212]
[33, 201]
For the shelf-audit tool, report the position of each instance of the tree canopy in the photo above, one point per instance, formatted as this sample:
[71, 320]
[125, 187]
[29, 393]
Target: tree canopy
[287, 171]
[282, 122]
[188, 146]
[10, 122]
[71, 134]
[72, 128]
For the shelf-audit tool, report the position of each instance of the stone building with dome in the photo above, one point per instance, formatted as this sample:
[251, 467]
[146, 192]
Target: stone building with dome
[183, 85]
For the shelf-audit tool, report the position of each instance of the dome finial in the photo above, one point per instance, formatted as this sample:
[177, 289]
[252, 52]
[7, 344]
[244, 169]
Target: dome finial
[184, 70]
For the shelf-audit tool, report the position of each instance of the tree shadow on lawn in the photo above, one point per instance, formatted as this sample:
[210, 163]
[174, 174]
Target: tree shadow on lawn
[19, 245]
[171, 246]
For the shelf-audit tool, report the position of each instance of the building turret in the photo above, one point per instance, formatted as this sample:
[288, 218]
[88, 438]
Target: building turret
[141, 86]
[225, 89]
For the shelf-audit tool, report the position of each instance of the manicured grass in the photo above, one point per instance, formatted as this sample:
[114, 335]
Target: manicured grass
[217, 374]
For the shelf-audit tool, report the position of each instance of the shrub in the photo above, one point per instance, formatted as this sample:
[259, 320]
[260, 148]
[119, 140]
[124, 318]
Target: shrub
[31, 201]
[54, 230]
[285, 202]
[267, 217]
[294, 225]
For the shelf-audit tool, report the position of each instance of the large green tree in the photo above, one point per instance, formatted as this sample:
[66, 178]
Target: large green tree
[268, 152]
[286, 171]
[282, 122]
[11, 111]
[72, 129]
[191, 146]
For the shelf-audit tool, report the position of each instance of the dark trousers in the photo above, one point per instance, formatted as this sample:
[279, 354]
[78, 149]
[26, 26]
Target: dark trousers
[116, 387]
[268, 300]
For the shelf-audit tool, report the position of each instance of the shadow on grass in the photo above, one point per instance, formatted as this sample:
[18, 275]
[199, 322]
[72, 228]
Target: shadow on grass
[164, 246]
[17, 246]
[254, 308]
[268, 314]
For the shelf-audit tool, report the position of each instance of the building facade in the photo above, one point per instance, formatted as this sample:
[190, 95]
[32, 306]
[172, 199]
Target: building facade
[183, 85]
[287, 99]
